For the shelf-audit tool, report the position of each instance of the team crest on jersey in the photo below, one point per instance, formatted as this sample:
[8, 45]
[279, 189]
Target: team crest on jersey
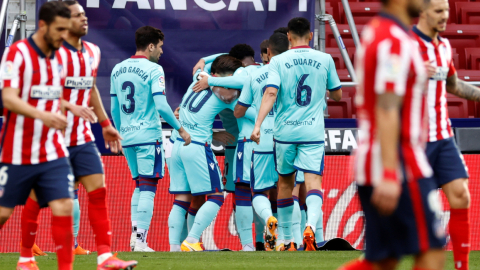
[2, 190]
[46, 92]
[212, 165]
[7, 71]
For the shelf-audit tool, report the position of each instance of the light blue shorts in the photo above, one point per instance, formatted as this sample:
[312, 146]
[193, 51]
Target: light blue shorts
[228, 171]
[263, 175]
[145, 160]
[194, 169]
[306, 157]
[242, 163]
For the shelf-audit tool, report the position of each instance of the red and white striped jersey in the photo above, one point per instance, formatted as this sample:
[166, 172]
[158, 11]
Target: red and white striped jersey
[389, 61]
[82, 66]
[24, 140]
[439, 126]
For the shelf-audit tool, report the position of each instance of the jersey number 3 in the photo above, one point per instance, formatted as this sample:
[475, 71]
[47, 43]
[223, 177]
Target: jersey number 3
[304, 92]
[129, 97]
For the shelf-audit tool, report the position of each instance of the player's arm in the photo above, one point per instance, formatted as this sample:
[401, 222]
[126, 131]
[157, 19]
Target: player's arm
[114, 105]
[233, 82]
[80, 111]
[462, 89]
[243, 107]
[205, 60]
[268, 100]
[335, 94]
[333, 84]
[13, 103]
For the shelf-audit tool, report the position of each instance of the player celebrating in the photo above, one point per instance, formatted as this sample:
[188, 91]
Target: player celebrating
[450, 172]
[138, 96]
[263, 176]
[299, 124]
[33, 155]
[402, 211]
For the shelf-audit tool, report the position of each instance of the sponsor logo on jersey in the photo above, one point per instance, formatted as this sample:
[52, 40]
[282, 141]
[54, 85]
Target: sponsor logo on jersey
[299, 123]
[79, 82]
[46, 92]
[268, 131]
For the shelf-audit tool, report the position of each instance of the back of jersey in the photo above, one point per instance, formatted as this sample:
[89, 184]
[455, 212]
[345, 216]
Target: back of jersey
[302, 76]
[135, 81]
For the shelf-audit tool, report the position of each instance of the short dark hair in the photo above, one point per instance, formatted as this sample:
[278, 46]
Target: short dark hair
[283, 30]
[50, 10]
[70, 3]
[225, 64]
[278, 43]
[299, 26]
[264, 46]
[146, 35]
[240, 51]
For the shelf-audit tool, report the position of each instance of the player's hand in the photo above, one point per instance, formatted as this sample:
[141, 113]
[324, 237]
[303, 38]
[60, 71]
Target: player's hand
[431, 69]
[177, 113]
[201, 85]
[185, 136]
[255, 135]
[54, 120]
[385, 196]
[200, 65]
[224, 137]
[84, 112]
[112, 139]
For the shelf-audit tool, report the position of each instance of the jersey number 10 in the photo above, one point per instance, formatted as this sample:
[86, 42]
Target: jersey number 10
[191, 99]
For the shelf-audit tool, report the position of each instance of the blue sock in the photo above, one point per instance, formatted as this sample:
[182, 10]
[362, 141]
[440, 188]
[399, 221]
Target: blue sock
[176, 221]
[244, 214]
[262, 207]
[275, 214]
[192, 213]
[285, 214]
[314, 203]
[76, 217]
[134, 205]
[205, 216]
[148, 187]
[296, 219]
[319, 229]
[258, 227]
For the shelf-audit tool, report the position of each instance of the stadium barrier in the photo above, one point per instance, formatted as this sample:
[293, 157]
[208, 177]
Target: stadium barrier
[342, 214]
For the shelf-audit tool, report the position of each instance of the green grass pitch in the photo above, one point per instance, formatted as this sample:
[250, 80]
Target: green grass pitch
[225, 260]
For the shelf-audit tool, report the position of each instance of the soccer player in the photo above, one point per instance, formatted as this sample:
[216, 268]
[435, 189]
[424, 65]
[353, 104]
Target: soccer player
[138, 100]
[33, 155]
[300, 78]
[194, 167]
[263, 176]
[263, 51]
[450, 172]
[400, 203]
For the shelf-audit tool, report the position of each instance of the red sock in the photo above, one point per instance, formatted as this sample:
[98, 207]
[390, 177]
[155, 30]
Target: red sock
[357, 264]
[97, 213]
[29, 223]
[62, 232]
[460, 236]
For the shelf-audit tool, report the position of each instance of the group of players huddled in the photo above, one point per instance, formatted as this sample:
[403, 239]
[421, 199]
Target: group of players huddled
[274, 140]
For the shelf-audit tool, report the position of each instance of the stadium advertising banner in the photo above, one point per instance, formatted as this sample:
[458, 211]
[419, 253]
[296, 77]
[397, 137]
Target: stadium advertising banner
[193, 29]
[342, 215]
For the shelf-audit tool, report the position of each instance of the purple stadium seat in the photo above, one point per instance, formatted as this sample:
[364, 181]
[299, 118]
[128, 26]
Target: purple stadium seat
[362, 11]
[340, 109]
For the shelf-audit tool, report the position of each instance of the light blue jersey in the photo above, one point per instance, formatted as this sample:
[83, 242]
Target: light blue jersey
[247, 123]
[302, 76]
[251, 97]
[135, 82]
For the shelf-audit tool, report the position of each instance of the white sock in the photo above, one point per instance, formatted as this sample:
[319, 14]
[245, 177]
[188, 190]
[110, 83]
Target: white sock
[311, 226]
[142, 235]
[248, 247]
[288, 241]
[175, 248]
[26, 259]
[103, 257]
[134, 223]
[191, 240]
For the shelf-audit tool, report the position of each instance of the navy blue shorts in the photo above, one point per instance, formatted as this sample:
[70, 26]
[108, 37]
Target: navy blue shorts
[446, 161]
[50, 180]
[414, 227]
[85, 160]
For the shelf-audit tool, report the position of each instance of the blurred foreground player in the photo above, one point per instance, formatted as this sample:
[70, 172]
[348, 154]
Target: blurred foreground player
[449, 169]
[401, 206]
[138, 100]
[33, 154]
[300, 77]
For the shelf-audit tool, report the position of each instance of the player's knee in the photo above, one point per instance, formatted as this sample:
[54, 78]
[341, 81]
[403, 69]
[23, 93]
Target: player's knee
[148, 184]
[5, 215]
[216, 198]
[197, 201]
[62, 207]
[285, 185]
[459, 195]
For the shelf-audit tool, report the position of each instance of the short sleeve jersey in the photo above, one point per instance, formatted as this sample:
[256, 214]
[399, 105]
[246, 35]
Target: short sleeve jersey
[246, 125]
[135, 82]
[302, 76]
[251, 96]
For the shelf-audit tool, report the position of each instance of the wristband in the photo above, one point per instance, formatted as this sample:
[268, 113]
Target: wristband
[390, 175]
[105, 123]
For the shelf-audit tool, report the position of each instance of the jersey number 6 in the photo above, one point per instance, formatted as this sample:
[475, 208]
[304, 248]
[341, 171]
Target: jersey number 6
[304, 92]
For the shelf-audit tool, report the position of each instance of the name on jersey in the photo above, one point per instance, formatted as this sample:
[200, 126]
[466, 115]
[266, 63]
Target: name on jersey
[441, 74]
[304, 62]
[133, 70]
[46, 92]
[79, 82]
[262, 77]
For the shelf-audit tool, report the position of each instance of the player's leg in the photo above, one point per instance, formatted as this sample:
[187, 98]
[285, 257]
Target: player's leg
[76, 222]
[450, 173]
[259, 230]
[203, 178]
[5, 213]
[297, 218]
[258, 167]
[433, 259]
[131, 157]
[197, 202]
[29, 226]
[150, 168]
